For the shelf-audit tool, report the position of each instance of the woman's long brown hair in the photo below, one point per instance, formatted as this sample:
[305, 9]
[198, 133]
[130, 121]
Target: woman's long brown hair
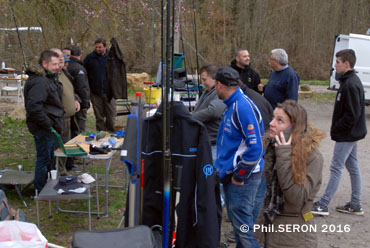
[300, 141]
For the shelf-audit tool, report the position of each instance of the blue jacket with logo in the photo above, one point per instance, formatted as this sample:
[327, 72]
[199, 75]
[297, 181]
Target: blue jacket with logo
[239, 140]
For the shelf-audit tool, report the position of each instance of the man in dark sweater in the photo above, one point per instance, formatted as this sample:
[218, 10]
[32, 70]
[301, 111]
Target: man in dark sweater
[248, 76]
[347, 127]
[283, 82]
[95, 64]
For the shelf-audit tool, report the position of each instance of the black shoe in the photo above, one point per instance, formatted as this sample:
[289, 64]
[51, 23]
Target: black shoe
[230, 236]
[350, 209]
[74, 169]
[319, 209]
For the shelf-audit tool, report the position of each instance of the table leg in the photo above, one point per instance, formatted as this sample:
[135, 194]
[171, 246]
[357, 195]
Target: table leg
[57, 165]
[107, 166]
[37, 210]
[89, 210]
[20, 194]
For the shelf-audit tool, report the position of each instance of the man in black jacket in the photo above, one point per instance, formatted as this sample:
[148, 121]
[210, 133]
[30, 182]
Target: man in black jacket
[249, 77]
[104, 109]
[44, 109]
[348, 126]
[81, 84]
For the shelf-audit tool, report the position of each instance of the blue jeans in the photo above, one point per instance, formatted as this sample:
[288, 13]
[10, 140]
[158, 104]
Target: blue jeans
[44, 156]
[240, 200]
[345, 154]
[260, 196]
[222, 194]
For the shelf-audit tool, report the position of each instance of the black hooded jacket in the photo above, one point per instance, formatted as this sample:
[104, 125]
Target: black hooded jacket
[80, 81]
[116, 73]
[199, 209]
[43, 101]
[248, 76]
[348, 122]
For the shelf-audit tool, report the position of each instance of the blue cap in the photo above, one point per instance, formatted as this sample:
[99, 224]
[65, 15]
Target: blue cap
[66, 59]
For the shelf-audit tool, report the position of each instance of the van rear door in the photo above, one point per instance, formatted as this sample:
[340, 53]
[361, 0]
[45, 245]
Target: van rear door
[361, 45]
[341, 42]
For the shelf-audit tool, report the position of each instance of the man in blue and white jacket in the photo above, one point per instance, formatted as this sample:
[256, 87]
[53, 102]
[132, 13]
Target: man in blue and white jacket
[239, 154]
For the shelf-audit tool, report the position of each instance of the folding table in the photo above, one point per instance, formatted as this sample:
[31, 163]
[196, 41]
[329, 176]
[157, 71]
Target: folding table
[85, 145]
[17, 178]
[48, 193]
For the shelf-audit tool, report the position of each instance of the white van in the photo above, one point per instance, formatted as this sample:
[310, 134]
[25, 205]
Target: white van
[361, 45]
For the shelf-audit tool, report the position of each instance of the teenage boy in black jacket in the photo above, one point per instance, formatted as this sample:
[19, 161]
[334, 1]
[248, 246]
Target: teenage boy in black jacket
[348, 126]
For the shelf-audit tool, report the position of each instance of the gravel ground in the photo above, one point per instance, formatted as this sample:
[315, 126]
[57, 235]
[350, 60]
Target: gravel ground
[337, 230]
[335, 235]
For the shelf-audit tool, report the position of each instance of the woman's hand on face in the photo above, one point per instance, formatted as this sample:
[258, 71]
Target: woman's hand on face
[280, 140]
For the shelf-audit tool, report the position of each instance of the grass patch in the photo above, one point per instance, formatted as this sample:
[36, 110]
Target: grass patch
[309, 82]
[17, 147]
[315, 82]
[320, 97]
[17, 144]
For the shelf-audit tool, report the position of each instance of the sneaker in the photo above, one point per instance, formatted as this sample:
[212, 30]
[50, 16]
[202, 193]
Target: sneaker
[230, 236]
[319, 209]
[350, 209]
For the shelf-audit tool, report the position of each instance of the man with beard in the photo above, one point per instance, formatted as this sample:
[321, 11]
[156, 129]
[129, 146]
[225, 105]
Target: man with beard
[95, 64]
[44, 110]
[248, 76]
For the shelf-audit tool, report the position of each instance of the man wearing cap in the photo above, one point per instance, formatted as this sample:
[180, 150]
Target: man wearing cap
[81, 83]
[239, 154]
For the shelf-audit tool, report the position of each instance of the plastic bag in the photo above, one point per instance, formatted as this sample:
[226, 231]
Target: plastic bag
[18, 234]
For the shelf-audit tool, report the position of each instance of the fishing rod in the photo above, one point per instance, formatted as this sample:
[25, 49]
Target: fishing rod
[18, 34]
[166, 154]
[196, 46]
[187, 42]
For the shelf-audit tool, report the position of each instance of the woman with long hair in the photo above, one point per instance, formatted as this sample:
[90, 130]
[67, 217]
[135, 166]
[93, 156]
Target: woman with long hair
[293, 170]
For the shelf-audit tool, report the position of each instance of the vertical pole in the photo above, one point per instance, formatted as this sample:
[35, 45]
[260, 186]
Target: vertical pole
[166, 155]
[177, 27]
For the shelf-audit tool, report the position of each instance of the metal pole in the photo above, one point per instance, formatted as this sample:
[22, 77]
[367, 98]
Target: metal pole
[19, 36]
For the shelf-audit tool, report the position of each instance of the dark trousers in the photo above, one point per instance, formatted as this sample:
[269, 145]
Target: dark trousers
[104, 111]
[78, 122]
[65, 163]
[44, 143]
